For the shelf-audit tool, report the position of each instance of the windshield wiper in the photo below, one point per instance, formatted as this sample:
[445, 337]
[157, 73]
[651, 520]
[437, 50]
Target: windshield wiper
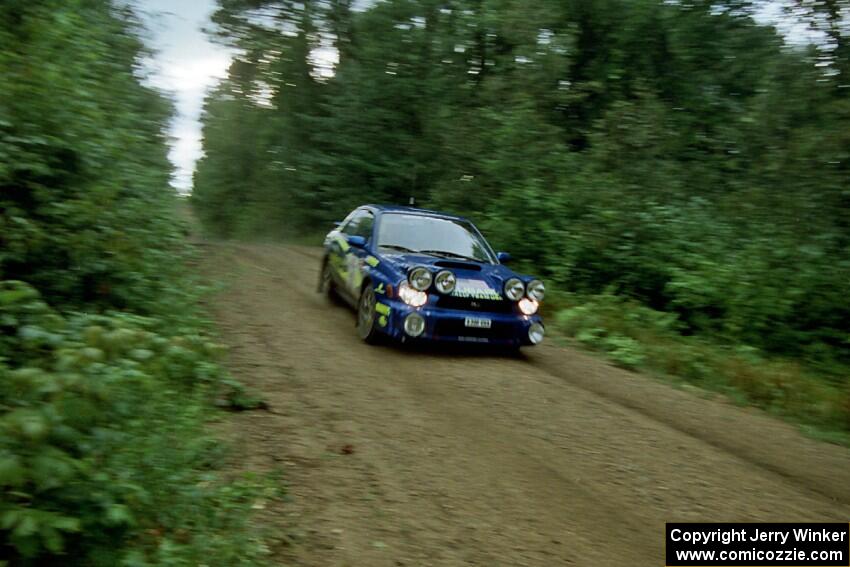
[397, 247]
[446, 254]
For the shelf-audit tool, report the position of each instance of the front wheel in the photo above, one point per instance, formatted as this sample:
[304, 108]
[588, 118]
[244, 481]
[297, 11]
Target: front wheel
[326, 283]
[366, 315]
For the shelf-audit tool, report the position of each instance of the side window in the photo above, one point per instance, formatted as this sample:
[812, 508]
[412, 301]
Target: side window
[349, 225]
[364, 227]
[360, 225]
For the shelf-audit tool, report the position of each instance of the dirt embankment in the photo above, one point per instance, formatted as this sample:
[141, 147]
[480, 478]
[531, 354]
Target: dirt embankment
[399, 457]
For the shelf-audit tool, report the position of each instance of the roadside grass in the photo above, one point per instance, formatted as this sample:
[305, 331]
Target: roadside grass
[639, 338]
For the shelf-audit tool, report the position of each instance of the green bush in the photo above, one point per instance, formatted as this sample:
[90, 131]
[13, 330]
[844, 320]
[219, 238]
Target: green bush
[616, 326]
[103, 457]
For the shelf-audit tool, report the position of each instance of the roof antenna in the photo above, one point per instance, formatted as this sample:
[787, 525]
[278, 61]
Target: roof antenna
[412, 201]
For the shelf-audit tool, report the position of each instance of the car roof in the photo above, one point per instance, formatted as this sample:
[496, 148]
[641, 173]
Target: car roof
[412, 210]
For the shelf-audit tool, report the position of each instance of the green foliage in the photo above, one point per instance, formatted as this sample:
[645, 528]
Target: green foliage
[106, 376]
[237, 398]
[85, 207]
[617, 327]
[103, 457]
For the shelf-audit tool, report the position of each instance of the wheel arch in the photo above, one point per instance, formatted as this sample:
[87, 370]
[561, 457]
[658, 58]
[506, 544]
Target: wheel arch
[367, 280]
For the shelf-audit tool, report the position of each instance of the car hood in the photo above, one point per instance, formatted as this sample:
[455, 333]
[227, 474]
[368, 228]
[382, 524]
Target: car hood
[471, 275]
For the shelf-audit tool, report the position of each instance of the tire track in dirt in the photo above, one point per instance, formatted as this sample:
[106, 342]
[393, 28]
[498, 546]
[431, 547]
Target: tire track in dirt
[747, 433]
[477, 459]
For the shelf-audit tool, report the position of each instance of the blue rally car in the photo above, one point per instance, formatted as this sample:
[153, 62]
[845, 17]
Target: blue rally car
[425, 275]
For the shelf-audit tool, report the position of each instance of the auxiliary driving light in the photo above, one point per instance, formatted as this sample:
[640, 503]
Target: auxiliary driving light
[412, 297]
[445, 281]
[414, 325]
[536, 290]
[528, 306]
[514, 289]
[535, 333]
[420, 278]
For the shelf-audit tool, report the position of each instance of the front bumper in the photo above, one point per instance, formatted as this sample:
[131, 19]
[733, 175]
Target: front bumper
[449, 325]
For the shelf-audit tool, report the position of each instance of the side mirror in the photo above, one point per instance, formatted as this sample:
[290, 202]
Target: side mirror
[336, 224]
[503, 257]
[357, 241]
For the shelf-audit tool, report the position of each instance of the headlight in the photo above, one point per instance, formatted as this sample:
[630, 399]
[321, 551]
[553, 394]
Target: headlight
[536, 332]
[514, 289]
[445, 281]
[528, 306]
[414, 324]
[536, 290]
[420, 278]
[412, 297]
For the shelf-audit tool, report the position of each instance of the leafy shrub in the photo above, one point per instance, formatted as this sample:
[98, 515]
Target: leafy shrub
[103, 459]
[616, 326]
[625, 351]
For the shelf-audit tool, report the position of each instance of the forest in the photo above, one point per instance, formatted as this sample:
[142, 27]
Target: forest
[676, 170]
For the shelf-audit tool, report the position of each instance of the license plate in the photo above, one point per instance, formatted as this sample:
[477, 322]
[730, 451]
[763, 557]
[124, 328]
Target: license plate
[477, 323]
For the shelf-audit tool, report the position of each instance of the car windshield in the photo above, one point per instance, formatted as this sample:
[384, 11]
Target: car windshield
[451, 238]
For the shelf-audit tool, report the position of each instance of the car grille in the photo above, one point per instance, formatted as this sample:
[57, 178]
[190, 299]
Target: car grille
[457, 328]
[470, 304]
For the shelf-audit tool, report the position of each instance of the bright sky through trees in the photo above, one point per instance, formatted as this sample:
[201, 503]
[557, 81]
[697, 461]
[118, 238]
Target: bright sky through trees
[186, 64]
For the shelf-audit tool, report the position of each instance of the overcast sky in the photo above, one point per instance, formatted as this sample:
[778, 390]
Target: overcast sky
[187, 64]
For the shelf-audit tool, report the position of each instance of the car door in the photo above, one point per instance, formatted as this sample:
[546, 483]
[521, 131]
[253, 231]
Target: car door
[337, 246]
[347, 260]
[354, 256]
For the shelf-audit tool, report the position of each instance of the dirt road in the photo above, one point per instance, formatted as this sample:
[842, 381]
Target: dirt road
[399, 457]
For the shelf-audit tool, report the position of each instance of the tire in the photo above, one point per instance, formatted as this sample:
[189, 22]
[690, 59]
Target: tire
[326, 282]
[366, 315]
